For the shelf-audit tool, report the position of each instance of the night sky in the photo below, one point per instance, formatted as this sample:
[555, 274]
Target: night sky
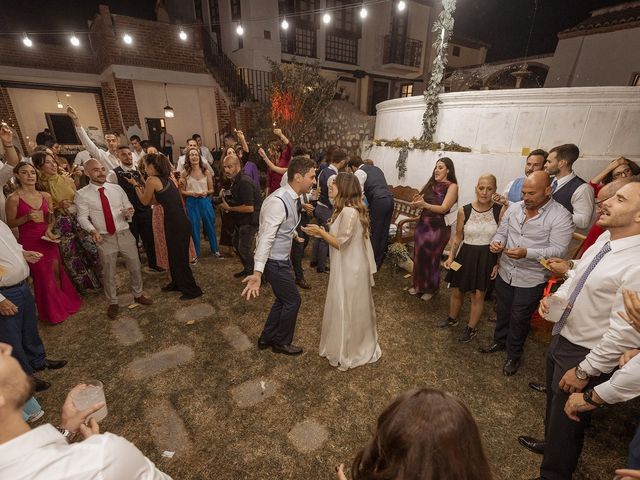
[505, 24]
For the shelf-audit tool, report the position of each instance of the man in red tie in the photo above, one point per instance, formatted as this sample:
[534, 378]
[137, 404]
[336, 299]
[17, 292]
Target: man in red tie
[104, 211]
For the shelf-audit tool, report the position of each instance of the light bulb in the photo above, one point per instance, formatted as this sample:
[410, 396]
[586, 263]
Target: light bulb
[183, 35]
[27, 41]
[60, 104]
[363, 12]
[284, 24]
[326, 18]
[127, 39]
[75, 41]
[401, 5]
[239, 30]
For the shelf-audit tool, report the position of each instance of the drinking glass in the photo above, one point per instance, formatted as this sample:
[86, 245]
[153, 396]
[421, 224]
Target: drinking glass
[92, 393]
[556, 308]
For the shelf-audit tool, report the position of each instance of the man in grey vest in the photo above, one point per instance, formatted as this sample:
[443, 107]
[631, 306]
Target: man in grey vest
[572, 192]
[380, 201]
[279, 218]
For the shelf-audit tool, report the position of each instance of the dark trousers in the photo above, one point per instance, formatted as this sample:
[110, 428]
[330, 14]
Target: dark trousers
[514, 310]
[21, 330]
[141, 228]
[563, 436]
[297, 252]
[281, 321]
[380, 211]
[320, 247]
[634, 451]
[243, 243]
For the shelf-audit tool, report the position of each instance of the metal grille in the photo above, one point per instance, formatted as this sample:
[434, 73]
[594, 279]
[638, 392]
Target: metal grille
[341, 49]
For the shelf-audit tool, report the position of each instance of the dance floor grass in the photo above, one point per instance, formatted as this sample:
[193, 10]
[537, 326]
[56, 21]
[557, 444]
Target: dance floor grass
[222, 440]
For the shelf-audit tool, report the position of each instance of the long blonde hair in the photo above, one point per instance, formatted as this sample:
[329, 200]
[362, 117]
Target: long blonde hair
[350, 195]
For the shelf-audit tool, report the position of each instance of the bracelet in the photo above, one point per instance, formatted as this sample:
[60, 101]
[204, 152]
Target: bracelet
[68, 435]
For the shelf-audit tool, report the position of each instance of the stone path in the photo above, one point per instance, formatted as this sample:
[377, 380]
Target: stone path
[160, 361]
[127, 331]
[167, 428]
[198, 311]
[308, 436]
[236, 338]
[253, 392]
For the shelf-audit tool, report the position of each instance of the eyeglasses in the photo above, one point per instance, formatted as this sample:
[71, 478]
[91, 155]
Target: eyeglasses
[624, 173]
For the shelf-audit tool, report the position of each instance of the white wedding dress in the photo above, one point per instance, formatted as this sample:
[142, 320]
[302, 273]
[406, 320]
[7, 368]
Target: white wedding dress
[349, 338]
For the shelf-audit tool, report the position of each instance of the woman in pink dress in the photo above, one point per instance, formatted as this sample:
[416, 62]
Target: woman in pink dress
[31, 212]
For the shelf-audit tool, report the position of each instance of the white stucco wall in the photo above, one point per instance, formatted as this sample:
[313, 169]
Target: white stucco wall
[602, 121]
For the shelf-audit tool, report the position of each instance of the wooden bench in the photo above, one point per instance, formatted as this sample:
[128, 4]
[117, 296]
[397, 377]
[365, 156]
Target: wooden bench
[402, 197]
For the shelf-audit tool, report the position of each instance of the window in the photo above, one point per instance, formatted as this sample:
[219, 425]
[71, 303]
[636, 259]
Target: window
[406, 90]
[344, 19]
[456, 51]
[197, 7]
[214, 15]
[342, 49]
[236, 14]
[240, 42]
[305, 42]
[300, 38]
[635, 79]
[267, 34]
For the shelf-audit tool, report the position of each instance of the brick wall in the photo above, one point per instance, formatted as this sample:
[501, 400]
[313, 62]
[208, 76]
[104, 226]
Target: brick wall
[49, 57]
[224, 116]
[103, 119]
[112, 109]
[7, 114]
[127, 102]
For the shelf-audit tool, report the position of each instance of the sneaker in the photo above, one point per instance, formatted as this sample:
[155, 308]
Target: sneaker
[219, 255]
[468, 334]
[412, 291]
[194, 261]
[449, 322]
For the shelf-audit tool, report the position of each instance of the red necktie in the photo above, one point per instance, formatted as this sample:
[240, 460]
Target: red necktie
[106, 209]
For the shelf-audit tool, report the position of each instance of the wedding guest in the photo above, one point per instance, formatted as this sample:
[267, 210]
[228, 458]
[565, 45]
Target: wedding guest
[31, 212]
[78, 252]
[104, 211]
[280, 152]
[423, 434]
[249, 168]
[137, 152]
[167, 143]
[11, 158]
[349, 338]
[476, 225]
[534, 228]
[160, 187]
[196, 184]
[571, 191]
[18, 321]
[183, 160]
[513, 191]
[432, 233]
[46, 452]
[279, 217]
[205, 153]
[110, 158]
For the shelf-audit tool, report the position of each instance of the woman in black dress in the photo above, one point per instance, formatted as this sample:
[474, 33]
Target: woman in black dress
[177, 226]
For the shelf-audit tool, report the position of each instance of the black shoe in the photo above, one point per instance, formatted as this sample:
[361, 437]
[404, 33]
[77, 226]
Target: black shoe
[41, 385]
[241, 274]
[264, 345]
[157, 269]
[313, 264]
[538, 387]
[448, 322]
[303, 284]
[493, 348]
[510, 367]
[468, 334]
[286, 349]
[170, 287]
[532, 444]
[51, 365]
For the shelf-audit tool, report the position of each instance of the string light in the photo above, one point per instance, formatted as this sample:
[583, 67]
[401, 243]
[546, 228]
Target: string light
[401, 6]
[75, 41]
[363, 12]
[183, 35]
[126, 38]
[239, 30]
[27, 41]
[284, 24]
[326, 19]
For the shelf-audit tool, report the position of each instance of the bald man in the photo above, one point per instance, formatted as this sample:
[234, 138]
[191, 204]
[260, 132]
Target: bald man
[243, 204]
[535, 228]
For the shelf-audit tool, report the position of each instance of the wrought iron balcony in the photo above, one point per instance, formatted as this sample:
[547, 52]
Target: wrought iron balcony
[401, 50]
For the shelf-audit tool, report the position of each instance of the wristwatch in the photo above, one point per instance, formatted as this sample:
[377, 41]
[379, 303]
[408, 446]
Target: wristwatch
[588, 397]
[581, 374]
[571, 264]
[67, 434]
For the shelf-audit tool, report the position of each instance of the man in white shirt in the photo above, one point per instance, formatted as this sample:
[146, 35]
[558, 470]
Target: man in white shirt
[104, 211]
[205, 153]
[279, 218]
[44, 452]
[18, 321]
[110, 158]
[590, 335]
[191, 143]
[11, 159]
[571, 191]
[137, 152]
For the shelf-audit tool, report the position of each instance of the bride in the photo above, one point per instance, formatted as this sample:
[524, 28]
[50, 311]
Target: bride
[349, 338]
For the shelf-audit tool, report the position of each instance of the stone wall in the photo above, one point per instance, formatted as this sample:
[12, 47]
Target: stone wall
[346, 126]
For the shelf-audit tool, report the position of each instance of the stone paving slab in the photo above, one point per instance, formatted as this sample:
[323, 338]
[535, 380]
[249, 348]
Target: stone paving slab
[308, 436]
[236, 338]
[127, 331]
[197, 311]
[167, 428]
[252, 392]
[160, 361]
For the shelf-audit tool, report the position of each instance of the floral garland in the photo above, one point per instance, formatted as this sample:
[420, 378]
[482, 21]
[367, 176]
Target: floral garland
[401, 163]
[444, 26]
[419, 144]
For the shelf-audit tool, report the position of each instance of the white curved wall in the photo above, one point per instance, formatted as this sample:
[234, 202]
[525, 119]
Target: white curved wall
[602, 121]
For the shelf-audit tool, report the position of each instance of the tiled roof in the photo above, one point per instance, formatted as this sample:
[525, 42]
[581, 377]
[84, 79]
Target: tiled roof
[607, 21]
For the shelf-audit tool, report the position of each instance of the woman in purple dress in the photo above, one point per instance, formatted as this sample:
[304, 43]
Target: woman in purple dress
[432, 234]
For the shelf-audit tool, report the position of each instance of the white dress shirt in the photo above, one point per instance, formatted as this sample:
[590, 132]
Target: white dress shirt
[43, 454]
[81, 157]
[13, 266]
[624, 385]
[582, 201]
[361, 175]
[272, 214]
[107, 159]
[594, 322]
[180, 166]
[6, 173]
[137, 156]
[90, 214]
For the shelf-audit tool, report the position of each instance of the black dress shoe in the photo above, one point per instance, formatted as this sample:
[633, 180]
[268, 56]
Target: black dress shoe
[41, 385]
[538, 387]
[287, 349]
[170, 287]
[264, 345]
[303, 284]
[241, 274]
[510, 367]
[532, 444]
[51, 364]
[493, 348]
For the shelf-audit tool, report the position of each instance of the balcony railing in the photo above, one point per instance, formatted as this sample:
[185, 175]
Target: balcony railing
[401, 50]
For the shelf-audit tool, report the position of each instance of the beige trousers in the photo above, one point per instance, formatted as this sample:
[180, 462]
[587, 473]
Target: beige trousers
[124, 243]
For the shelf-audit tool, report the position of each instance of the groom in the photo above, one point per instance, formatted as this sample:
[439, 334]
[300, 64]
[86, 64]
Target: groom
[279, 217]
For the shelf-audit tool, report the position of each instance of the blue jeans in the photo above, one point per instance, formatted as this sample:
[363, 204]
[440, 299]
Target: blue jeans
[200, 210]
[21, 330]
[30, 408]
